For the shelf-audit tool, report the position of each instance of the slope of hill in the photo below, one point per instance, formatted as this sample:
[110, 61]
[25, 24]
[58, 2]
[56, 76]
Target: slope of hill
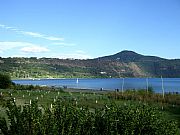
[122, 64]
[130, 56]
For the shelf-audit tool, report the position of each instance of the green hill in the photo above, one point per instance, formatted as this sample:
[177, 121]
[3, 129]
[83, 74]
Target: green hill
[122, 64]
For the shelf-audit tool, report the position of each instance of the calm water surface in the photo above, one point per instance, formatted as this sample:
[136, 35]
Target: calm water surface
[170, 84]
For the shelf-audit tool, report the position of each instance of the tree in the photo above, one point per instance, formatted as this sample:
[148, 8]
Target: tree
[5, 81]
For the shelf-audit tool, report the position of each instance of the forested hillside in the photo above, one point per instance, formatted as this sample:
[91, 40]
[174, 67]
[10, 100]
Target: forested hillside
[123, 64]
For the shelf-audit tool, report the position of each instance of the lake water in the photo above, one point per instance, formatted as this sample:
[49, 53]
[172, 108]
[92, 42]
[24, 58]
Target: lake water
[170, 84]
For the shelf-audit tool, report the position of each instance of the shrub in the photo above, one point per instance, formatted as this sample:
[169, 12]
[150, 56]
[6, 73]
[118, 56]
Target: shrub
[5, 81]
[67, 118]
[150, 90]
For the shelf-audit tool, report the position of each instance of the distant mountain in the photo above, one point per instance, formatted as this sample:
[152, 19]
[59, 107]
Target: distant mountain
[130, 56]
[122, 64]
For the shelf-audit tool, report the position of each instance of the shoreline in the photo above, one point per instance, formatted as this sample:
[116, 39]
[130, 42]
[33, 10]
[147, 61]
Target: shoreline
[95, 78]
[106, 84]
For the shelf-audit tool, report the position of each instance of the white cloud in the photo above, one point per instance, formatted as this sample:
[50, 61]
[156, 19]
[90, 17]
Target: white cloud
[2, 26]
[30, 49]
[79, 54]
[65, 44]
[54, 38]
[8, 28]
[33, 34]
[25, 47]
[34, 49]
[73, 56]
[14, 29]
[38, 35]
[10, 45]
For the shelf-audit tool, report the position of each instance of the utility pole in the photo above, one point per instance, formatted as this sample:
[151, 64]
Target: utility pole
[147, 85]
[122, 89]
[162, 86]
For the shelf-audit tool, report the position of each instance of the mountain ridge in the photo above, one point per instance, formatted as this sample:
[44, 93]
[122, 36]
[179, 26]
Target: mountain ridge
[131, 56]
[122, 64]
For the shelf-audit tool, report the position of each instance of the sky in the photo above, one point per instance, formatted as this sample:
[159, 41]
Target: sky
[84, 29]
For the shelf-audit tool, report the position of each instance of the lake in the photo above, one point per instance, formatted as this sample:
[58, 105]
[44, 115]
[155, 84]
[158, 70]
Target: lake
[170, 84]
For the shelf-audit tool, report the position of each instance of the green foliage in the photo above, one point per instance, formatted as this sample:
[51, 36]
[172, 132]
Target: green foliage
[5, 81]
[150, 90]
[68, 118]
[122, 64]
[146, 96]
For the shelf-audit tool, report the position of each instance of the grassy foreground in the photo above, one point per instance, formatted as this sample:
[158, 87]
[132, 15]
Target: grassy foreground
[67, 111]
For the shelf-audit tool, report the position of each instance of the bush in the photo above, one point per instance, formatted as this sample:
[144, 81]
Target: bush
[5, 81]
[67, 118]
[150, 90]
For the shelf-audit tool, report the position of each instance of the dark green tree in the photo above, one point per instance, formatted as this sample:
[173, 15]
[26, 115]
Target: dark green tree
[5, 81]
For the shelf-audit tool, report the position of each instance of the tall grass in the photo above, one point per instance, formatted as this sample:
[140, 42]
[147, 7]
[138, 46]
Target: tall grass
[146, 96]
[68, 118]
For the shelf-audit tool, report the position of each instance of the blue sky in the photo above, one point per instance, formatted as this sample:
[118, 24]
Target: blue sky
[89, 28]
